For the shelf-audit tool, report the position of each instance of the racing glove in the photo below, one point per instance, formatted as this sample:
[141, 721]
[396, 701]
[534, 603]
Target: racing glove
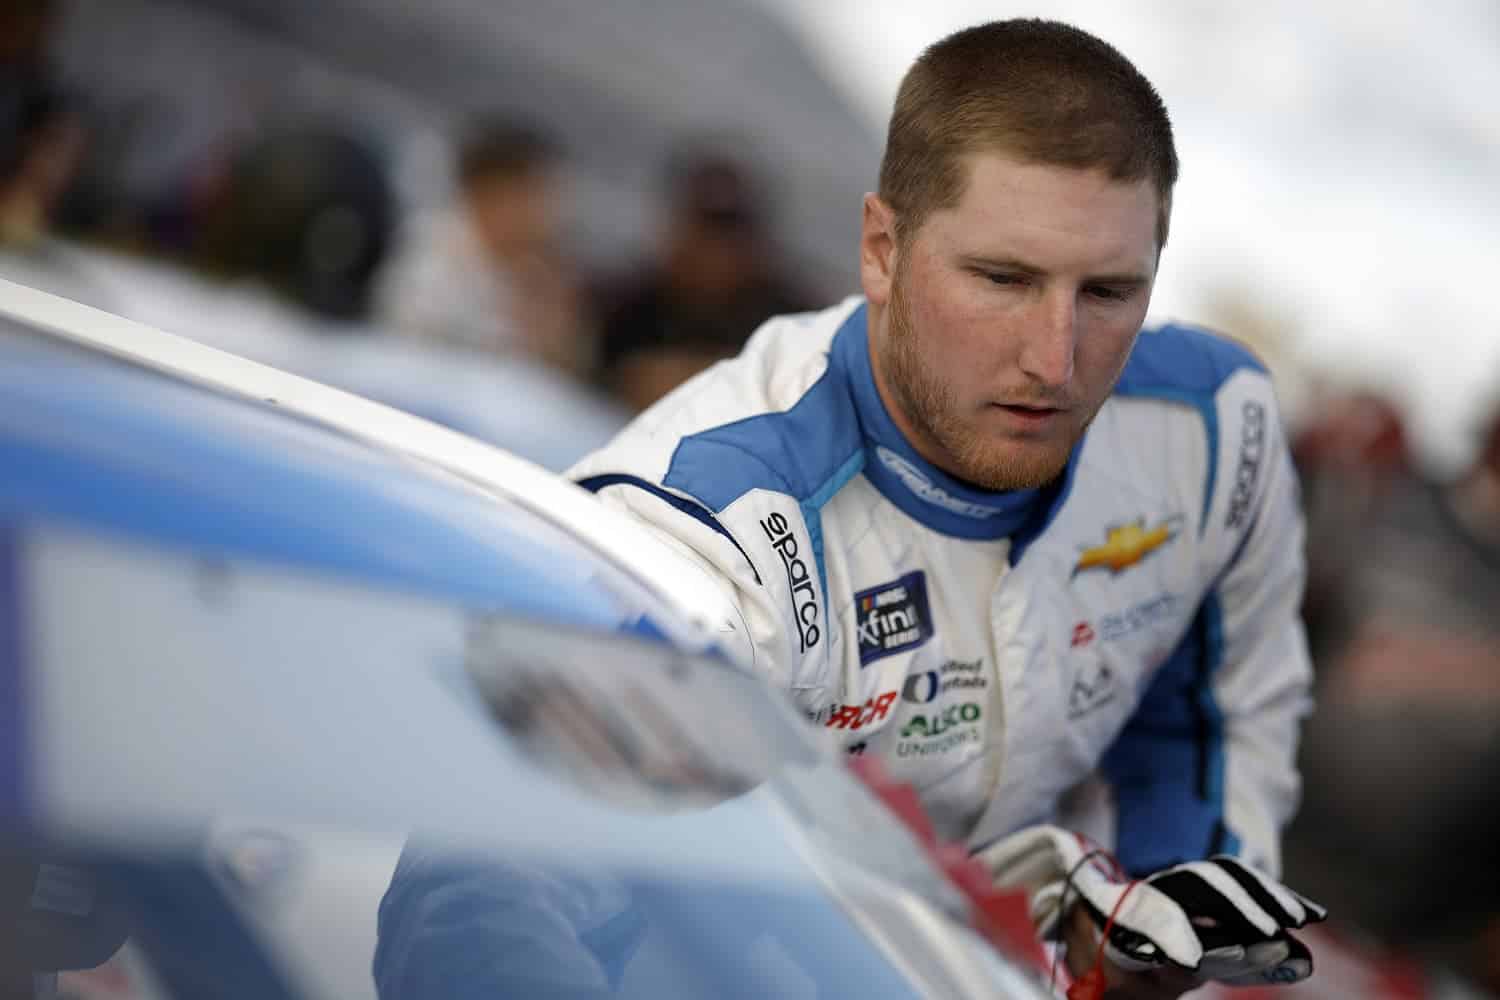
[1219, 918]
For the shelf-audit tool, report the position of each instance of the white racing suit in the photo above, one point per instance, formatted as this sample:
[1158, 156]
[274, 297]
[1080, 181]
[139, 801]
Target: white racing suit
[1119, 652]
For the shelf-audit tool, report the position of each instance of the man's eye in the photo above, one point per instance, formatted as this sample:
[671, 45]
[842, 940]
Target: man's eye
[1107, 294]
[997, 278]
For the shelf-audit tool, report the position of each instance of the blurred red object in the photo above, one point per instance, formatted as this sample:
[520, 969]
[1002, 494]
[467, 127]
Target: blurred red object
[1000, 915]
[1361, 430]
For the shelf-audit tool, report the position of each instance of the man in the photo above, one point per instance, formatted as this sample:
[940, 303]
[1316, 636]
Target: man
[1045, 569]
[42, 143]
[307, 213]
[487, 273]
[717, 278]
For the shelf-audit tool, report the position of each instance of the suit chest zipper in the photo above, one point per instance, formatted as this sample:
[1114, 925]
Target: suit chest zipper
[1004, 619]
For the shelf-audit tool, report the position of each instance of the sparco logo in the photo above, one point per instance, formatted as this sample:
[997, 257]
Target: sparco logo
[1252, 449]
[916, 481]
[892, 617]
[798, 581]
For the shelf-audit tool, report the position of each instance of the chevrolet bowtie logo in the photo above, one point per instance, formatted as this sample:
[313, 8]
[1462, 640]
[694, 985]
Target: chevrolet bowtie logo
[1125, 545]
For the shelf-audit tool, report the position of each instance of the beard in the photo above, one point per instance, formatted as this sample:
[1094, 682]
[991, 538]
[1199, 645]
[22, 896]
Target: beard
[991, 461]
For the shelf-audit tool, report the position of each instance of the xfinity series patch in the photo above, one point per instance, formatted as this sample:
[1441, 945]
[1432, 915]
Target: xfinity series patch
[892, 617]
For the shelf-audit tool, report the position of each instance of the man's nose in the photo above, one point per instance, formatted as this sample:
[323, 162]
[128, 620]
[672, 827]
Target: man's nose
[1052, 337]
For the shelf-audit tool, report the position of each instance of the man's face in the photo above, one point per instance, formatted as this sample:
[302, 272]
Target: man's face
[1000, 326]
[516, 214]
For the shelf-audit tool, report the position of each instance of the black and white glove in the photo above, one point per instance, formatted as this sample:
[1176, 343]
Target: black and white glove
[1219, 918]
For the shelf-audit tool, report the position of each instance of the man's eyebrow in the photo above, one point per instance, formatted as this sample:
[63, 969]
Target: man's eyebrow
[1117, 279]
[1002, 264]
[1018, 266]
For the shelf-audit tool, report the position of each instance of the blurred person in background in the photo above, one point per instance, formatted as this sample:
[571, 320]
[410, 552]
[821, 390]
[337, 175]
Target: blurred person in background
[26, 28]
[717, 277]
[44, 136]
[307, 212]
[488, 272]
[1402, 558]
[42, 142]
[42, 139]
[1402, 757]
[41, 133]
[1041, 564]
[51, 155]
[1353, 456]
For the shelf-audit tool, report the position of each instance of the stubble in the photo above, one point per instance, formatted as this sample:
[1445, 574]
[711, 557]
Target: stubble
[993, 462]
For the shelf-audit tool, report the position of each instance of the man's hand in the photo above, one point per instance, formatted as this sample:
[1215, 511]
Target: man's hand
[1241, 918]
[1215, 919]
[1082, 939]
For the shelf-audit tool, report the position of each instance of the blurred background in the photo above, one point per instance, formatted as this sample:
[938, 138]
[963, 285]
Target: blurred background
[528, 221]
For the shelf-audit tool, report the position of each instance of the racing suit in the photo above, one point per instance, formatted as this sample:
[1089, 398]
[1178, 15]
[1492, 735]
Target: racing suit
[1119, 652]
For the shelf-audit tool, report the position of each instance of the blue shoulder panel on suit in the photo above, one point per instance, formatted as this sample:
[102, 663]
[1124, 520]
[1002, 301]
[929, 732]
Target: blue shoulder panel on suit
[807, 452]
[1187, 365]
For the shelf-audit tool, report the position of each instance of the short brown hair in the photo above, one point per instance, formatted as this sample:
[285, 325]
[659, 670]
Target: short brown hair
[504, 148]
[1042, 91]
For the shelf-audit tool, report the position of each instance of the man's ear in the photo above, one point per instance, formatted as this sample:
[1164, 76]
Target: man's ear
[877, 249]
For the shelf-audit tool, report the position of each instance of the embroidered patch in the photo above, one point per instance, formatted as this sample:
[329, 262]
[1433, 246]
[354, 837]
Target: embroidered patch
[892, 617]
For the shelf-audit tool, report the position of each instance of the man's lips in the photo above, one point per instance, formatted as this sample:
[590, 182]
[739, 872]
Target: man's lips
[1035, 416]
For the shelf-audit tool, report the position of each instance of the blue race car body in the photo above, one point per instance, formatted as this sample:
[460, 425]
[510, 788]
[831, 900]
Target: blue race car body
[288, 712]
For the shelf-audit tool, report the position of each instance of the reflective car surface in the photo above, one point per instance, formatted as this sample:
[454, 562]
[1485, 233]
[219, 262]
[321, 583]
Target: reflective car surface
[289, 715]
[522, 406]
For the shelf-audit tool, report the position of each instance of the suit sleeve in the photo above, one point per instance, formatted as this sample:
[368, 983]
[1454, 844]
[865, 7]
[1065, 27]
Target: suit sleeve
[760, 564]
[1207, 763]
[1264, 683]
[475, 927]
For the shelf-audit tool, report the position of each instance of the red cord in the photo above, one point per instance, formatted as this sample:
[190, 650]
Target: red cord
[1091, 986]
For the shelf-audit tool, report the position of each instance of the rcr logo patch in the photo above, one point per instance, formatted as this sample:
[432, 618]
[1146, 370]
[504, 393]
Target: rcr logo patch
[860, 716]
[892, 617]
[799, 581]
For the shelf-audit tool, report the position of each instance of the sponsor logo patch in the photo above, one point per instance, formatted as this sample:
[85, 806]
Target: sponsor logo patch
[924, 488]
[940, 732]
[1125, 545]
[937, 745]
[1091, 691]
[799, 581]
[1138, 616]
[955, 675]
[1120, 624]
[859, 716]
[892, 617]
[1247, 471]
